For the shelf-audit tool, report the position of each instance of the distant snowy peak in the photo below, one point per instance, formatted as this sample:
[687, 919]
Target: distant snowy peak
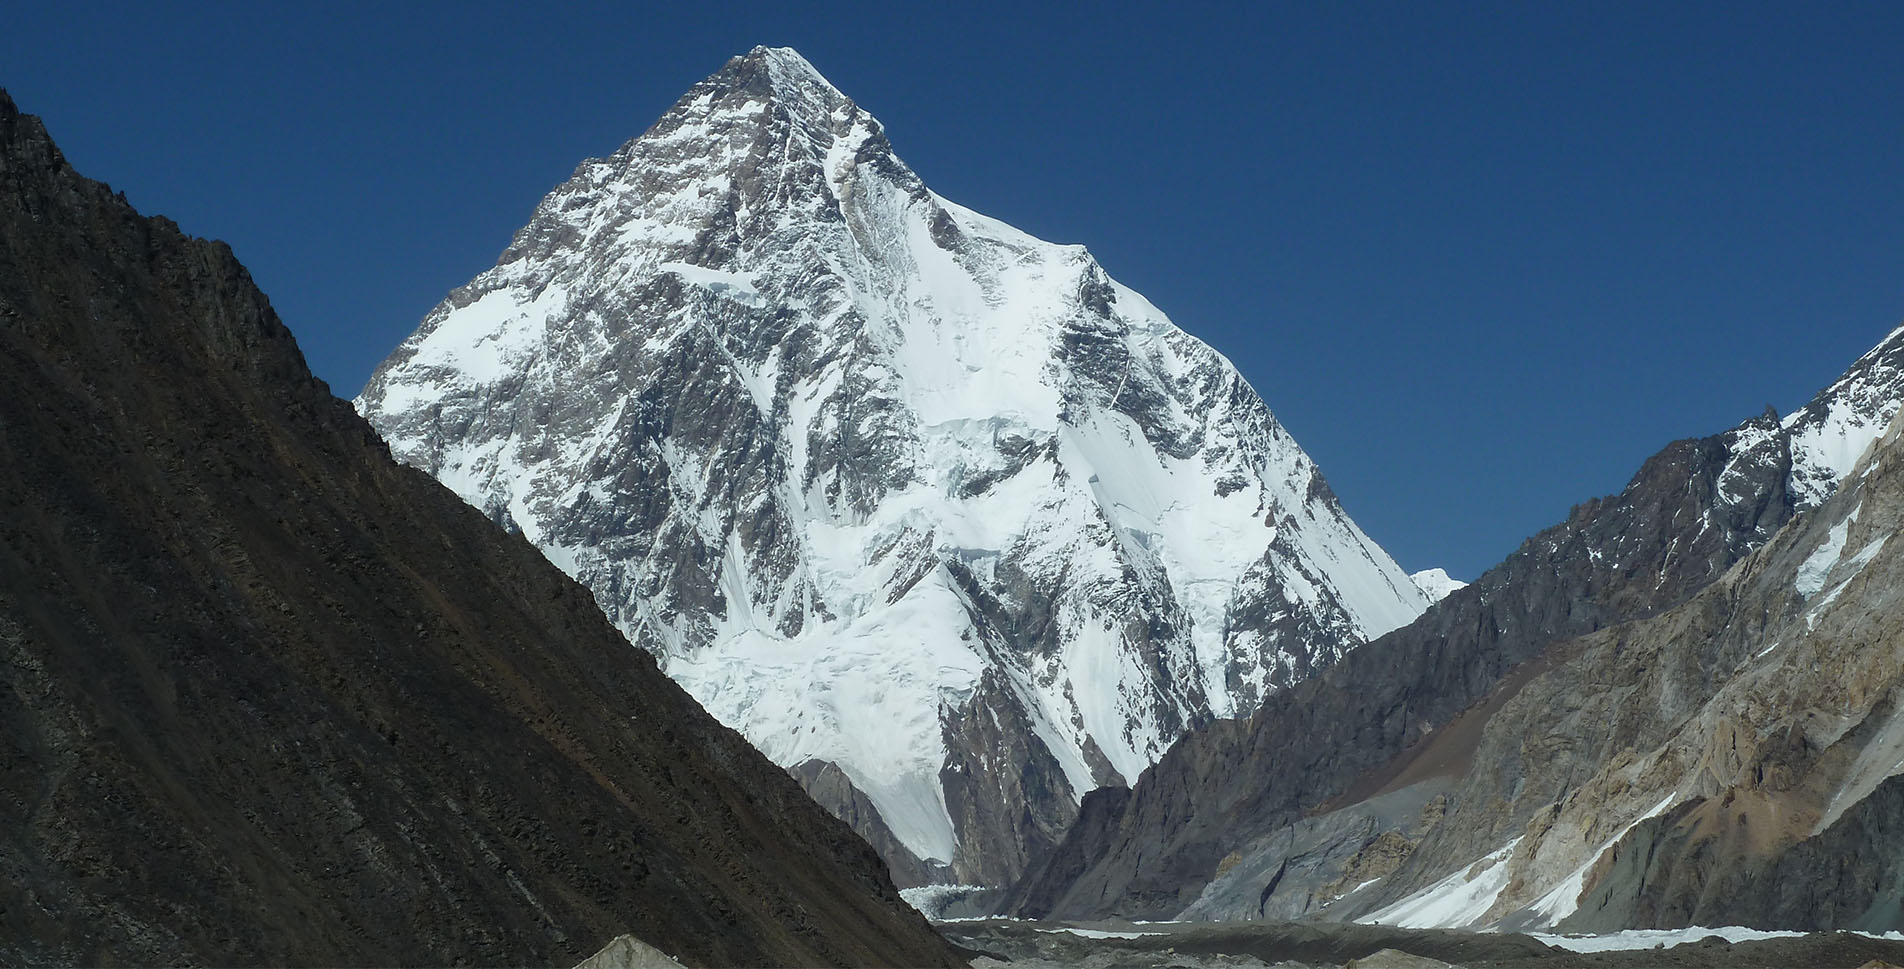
[1435, 583]
[904, 494]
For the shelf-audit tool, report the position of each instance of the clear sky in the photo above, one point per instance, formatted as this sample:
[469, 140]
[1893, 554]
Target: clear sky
[1481, 259]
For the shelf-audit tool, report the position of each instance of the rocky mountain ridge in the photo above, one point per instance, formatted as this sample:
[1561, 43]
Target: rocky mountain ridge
[1328, 789]
[941, 516]
[1731, 762]
[273, 698]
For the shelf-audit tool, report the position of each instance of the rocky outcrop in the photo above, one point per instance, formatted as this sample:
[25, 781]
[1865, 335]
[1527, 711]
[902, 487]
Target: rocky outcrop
[882, 481]
[1415, 704]
[1701, 864]
[1003, 787]
[272, 698]
[628, 952]
[1848, 876]
[1303, 870]
[833, 790]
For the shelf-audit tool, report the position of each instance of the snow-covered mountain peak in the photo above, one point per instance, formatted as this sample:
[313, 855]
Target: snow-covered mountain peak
[887, 484]
[777, 82]
[789, 77]
[1436, 584]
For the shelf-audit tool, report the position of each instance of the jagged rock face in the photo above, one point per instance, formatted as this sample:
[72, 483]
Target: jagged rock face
[1361, 728]
[1732, 762]
[272, 698]
[1832, 432]
[883, 482]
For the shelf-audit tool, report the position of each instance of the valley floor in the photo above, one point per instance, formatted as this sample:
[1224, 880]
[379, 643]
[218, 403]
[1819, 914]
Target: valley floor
[1000, 943]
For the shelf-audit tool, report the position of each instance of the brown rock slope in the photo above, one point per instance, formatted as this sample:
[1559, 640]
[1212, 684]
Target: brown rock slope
[269, 697]
[1735, 761]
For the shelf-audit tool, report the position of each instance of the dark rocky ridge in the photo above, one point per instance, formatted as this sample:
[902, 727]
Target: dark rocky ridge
[1691, 512]
[271, 698]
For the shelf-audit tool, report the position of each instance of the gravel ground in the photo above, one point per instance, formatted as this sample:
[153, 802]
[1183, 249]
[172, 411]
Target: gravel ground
[999, 943]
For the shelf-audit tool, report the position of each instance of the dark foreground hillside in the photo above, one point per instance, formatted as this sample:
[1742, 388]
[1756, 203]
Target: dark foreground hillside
[269, 697]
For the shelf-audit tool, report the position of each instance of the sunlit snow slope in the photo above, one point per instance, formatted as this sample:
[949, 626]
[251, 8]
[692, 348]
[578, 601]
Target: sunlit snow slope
[887, 484]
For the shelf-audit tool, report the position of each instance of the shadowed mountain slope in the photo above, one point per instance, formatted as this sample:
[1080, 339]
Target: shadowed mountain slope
[270, 697]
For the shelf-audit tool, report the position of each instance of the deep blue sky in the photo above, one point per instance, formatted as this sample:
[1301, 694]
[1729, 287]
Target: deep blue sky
[1481, 259]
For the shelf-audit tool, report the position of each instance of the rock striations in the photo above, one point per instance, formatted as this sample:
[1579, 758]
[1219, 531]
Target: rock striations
[938, 514]
[272, 698]
[1398, 765]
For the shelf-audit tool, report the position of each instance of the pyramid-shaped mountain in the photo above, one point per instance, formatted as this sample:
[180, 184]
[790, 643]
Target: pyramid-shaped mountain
[940, 515]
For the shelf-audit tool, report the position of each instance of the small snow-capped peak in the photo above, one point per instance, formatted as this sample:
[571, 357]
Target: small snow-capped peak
[1436, 584]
